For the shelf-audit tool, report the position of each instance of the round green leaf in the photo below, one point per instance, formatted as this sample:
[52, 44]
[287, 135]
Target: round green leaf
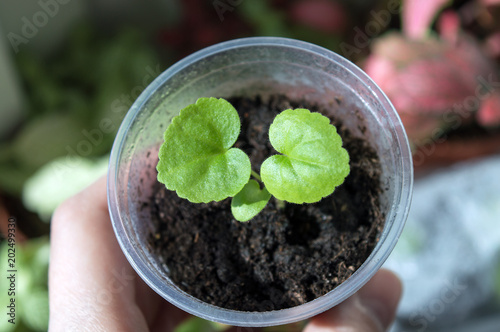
[249, 201]
[313, 162]
[196, 159]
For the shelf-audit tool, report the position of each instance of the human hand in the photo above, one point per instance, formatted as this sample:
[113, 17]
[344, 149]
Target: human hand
[92, 287]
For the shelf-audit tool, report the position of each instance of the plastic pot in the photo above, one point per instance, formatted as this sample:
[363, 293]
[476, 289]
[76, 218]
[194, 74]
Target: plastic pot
[247, 67]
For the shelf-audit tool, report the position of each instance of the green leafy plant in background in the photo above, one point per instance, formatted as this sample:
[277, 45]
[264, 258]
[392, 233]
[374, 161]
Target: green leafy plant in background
[196, 324]
[58, 180]
[267, 20]
[90, 79]
[31, 295]
[199, 162]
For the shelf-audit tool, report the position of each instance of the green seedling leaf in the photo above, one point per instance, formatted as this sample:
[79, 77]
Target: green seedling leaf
[313, 162]
[196, 159]
[249, 201]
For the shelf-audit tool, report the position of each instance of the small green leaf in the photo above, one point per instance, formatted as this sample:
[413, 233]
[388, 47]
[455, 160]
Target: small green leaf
[313, 162]
[196, 159]
[249, 201]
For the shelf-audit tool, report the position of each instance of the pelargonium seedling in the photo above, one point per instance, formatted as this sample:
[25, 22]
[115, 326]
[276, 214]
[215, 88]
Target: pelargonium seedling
[198, 159]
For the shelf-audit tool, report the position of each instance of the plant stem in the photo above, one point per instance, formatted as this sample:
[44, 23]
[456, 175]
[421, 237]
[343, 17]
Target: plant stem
[280, 204]
[256, 175]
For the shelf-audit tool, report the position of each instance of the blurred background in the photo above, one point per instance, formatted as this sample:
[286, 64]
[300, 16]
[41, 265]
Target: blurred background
[69, 70]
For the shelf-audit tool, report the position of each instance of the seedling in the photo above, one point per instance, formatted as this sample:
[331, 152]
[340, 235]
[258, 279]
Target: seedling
[199, 162]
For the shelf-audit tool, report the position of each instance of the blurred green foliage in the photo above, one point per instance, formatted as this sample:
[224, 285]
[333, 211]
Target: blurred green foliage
[70, 94]
[58, 180]
[31, 295]
[196, 324]
[267, 20]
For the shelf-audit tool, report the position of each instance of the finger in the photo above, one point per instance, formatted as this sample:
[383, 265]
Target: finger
[371, 309]
[91, 284]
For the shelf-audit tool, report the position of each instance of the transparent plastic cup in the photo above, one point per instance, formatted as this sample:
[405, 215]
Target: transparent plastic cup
[247, 67]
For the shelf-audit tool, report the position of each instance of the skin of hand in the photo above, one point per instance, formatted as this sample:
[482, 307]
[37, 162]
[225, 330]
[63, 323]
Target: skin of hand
[92, 287]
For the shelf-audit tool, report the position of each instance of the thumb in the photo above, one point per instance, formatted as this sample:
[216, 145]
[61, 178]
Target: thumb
[371, 309]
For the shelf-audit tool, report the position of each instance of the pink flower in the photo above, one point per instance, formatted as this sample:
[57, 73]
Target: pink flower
[431, 81]
[418, 16]
[493, 45]
[489, 113]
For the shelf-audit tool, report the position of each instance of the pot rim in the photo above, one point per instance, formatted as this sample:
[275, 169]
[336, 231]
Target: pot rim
[377, 257]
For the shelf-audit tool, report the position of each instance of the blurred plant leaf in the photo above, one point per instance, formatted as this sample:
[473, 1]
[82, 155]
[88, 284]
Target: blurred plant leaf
[326, 40]
[266, 20]
[32, 306]
[34, 309]
[58, 180]
[12, 176]
[196, 324]
[46, 138]
[74, 91]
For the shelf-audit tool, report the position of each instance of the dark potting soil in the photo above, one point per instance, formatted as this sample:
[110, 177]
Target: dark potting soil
[280, 258]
